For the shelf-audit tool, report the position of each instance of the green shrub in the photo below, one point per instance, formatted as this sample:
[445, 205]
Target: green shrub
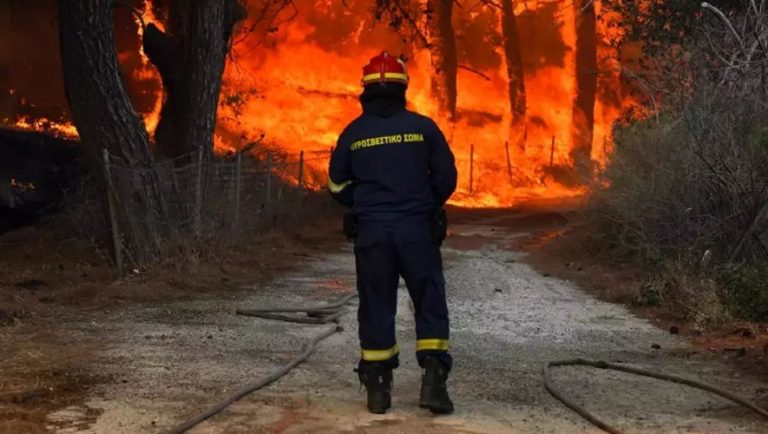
[744, 291]
[685, 191]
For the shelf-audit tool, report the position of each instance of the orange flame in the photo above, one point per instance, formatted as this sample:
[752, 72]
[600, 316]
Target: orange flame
[147, 71]
[297, 83]
[300, 90]
[61, 130]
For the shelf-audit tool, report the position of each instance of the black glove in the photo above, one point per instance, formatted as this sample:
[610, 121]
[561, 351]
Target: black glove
[350, 226]
[440, 225]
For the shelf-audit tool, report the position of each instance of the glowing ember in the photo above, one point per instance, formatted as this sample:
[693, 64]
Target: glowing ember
[24, 186]
[66, 130]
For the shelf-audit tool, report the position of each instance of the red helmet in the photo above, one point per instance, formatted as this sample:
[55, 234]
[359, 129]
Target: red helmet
[385, 68]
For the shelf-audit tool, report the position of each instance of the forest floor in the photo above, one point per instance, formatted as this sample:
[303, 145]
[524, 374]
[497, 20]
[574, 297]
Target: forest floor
[142, 356]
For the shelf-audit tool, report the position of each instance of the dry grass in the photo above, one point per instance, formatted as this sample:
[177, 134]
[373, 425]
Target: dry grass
[53, 264]
[52, 274]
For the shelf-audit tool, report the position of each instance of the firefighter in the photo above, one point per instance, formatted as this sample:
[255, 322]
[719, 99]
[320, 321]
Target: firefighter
[394, 169]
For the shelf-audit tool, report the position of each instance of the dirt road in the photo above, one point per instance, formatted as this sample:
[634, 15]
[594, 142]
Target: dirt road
[170, 361]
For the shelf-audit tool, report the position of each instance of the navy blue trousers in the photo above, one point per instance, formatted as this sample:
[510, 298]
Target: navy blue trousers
[383, 253]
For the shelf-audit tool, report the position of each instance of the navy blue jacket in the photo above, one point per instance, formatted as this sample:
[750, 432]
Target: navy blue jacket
[391, 163]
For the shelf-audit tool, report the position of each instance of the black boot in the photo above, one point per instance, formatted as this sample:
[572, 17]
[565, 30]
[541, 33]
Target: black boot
[378, 383]
[434, 392]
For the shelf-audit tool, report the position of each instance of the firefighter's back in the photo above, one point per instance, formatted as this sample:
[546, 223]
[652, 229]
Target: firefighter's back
[394, 168]
[390, 161]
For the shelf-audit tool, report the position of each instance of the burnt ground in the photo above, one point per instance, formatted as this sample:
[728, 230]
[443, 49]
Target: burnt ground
[81, 353]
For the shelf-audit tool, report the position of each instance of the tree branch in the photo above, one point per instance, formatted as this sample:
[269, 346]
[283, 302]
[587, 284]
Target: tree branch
[414, 24]
[474, 71]
[727, 22]
[492, 4]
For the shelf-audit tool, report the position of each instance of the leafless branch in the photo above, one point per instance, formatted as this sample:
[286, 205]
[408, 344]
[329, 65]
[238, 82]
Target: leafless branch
[727, 22]
[587, 5]
[135, 12]
[266, 14]
[491, 3]
[474, 71]
[414, 25]
[647, 87]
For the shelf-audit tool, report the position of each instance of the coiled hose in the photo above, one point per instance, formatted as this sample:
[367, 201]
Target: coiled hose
[322, 314]
[612, 366]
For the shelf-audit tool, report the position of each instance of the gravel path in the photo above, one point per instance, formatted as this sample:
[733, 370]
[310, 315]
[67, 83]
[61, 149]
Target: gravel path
[170, 361]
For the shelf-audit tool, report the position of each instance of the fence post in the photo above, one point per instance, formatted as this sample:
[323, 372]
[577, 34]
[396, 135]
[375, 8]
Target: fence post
[198, 211]
[300, 184]
[238, 187]
[113, 214]
[509, 162]
[552, 153]
[268, 183]
[471, 167]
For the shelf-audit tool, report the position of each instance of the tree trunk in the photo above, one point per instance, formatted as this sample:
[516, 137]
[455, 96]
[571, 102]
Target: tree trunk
[586, 83]
[100, 106]
[514, 61]
[442, 49]
[104, 117]
[190, 57]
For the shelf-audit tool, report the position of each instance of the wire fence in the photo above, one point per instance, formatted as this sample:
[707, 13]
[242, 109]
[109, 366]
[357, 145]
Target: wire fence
[208, 199]
[201, 198]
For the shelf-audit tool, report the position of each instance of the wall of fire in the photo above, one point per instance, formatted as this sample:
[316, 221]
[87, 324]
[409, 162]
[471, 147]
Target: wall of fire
[295, 78]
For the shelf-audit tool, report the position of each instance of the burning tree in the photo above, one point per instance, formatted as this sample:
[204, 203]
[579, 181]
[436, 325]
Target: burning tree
[100, 106]
[442, 48]
[431, 27]
[435, 31]
[95, 91]
[514, 61]
[190, 57]
[586, 82]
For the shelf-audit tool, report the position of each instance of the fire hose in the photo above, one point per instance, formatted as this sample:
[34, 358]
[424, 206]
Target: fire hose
[322, 314]
[331, 312]
[612, 366]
